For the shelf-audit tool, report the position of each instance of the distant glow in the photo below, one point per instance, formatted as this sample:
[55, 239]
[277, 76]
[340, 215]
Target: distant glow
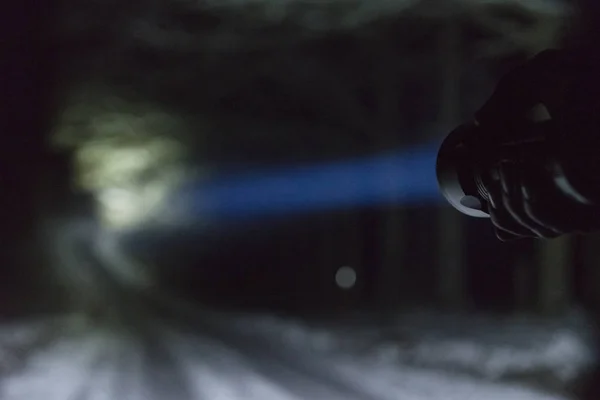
[126, 207]
[118, 207]
[345, 277]
[405, 177]
[131, 180]
[110, 163]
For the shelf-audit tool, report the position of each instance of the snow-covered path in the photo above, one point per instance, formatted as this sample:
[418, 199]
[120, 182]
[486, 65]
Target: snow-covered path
[417, 357]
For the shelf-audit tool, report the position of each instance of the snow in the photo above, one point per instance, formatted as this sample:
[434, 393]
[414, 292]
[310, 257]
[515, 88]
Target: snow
[151, 346]
[418, 356]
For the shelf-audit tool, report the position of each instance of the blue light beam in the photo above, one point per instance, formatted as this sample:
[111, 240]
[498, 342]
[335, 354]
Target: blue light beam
[405, 178]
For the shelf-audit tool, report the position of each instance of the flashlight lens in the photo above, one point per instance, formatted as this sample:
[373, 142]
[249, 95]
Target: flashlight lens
[456, 172]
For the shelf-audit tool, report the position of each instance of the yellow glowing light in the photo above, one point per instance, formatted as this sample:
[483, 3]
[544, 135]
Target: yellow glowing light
[126, 152]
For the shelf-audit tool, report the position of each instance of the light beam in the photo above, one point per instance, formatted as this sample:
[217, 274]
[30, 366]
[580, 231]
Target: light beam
[404, 177]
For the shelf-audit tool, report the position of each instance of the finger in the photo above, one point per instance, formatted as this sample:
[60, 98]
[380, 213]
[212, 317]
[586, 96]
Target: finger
[511, 201]
[514, 201]
[516, 208]
[543, 203]
[502, 229]
[565, 218]
[505, 236]
[544, 217]
[504, 222]
[501, 234]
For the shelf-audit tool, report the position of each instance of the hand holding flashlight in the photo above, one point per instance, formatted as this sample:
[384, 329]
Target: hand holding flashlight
[529, 160]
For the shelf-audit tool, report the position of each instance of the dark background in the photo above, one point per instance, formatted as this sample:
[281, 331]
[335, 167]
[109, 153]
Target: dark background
[408, 78]
[277, 93]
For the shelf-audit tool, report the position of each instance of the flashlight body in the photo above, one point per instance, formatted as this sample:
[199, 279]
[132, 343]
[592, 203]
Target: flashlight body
[470, 158]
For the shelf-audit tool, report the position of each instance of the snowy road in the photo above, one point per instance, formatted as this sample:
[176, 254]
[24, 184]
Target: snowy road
[265, 358]
[158, 349]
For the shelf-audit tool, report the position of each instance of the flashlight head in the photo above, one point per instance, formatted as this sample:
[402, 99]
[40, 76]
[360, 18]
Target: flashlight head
[457, 172]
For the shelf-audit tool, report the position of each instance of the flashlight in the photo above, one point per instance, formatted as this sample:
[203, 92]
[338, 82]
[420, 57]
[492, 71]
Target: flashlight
[470, 158]
[542, 119]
